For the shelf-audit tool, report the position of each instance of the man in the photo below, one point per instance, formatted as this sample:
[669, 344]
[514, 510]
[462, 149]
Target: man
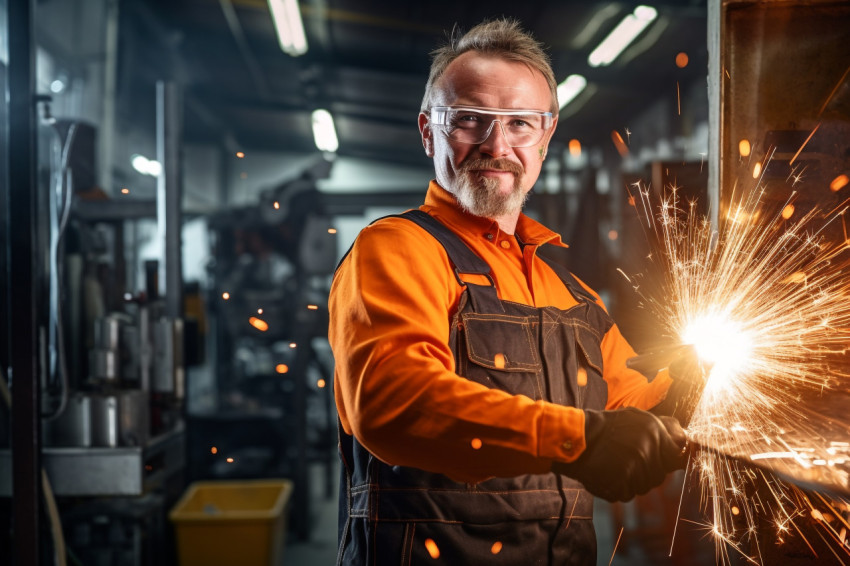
[482, 390]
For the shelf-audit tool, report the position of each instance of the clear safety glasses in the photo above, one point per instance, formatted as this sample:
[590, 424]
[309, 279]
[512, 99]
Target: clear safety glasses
[467, 124]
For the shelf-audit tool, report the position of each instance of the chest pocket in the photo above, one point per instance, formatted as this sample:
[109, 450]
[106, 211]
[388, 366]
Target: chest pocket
[501, 351]
[592, 390]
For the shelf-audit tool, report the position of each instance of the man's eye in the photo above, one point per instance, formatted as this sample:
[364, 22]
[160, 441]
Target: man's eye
[468, 118]
[521, 123]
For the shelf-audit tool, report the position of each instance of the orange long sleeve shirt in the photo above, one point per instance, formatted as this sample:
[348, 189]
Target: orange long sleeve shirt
[395, 384]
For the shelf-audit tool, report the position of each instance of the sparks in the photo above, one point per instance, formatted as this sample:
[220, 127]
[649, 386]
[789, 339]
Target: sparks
[763, 298]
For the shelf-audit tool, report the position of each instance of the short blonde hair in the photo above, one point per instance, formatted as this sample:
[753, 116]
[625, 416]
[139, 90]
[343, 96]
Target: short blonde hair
[504, 38]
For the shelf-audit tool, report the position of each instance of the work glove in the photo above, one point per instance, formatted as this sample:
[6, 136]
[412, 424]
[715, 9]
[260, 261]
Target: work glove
[628, 452]
[689, 376]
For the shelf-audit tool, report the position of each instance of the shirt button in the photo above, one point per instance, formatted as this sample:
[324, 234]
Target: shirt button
[505, 244]
[568, 446]
[488, 236]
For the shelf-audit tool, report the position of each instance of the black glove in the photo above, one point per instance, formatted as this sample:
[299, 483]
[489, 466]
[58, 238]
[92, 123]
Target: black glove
[628, 452]
[689, 377]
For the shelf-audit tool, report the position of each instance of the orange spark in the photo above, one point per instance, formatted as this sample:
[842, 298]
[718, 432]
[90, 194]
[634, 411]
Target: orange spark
[744, 148]
[476, 443]
[839, 183]
[281, 368]
[259, 323]
[432, 548]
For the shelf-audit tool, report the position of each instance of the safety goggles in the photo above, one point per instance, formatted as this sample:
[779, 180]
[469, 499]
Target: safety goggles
[467, 124]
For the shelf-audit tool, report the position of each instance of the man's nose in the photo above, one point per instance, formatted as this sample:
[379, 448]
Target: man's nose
[496, 143]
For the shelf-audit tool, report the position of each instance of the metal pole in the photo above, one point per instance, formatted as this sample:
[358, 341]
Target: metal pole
[20, 239]
[169, 196]
[715, 11]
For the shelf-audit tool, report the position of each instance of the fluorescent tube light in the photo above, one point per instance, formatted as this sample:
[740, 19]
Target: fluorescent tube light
[622, 36]
[289, 27]
[324, 133]
[570, 88]
[146, 166]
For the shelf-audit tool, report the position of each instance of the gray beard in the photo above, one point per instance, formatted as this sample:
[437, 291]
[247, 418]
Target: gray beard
[481, 197]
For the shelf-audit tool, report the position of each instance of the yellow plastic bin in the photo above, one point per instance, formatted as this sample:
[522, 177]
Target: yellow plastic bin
[232, 522]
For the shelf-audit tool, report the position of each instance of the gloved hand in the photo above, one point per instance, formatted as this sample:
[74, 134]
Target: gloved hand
[628, 452]
[689, 376]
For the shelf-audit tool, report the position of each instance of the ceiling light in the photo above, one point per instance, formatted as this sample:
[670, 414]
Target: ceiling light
[146, 166]
[570, 88]
[324, 133]
[289, 27]
[622, 36]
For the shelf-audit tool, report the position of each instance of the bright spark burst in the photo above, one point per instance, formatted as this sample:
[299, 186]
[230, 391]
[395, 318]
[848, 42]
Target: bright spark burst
[766, 301]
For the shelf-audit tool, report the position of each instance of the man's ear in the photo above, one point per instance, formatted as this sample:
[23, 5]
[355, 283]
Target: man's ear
[427, 134]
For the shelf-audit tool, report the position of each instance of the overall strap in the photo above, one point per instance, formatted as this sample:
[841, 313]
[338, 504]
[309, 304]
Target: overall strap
[553, 256]
[483, 297]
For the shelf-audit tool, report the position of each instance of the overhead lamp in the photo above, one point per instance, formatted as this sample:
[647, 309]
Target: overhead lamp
[146, 166]
[622, 36]
[324, 132]
[289, 27]
[570, 88]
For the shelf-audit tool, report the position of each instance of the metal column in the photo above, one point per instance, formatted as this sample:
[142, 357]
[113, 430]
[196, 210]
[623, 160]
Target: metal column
[21, 240]
[169, 196]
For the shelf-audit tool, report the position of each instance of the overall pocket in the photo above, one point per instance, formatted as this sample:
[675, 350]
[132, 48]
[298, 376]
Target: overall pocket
[501, 353]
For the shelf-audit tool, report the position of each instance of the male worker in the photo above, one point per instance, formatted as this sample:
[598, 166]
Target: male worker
[482, 390]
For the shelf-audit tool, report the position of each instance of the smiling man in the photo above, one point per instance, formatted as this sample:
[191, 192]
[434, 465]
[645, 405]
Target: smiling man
[482, 389]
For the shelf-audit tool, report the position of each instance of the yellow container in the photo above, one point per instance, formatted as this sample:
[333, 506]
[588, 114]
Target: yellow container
[231, 523]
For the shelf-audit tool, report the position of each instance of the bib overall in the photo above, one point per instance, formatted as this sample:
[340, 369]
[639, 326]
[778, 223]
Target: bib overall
[394, 515]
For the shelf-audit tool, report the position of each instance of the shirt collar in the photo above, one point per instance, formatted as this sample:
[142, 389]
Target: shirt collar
[443, 205]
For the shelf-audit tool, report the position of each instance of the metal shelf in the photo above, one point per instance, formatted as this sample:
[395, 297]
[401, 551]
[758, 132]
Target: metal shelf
[127, 471]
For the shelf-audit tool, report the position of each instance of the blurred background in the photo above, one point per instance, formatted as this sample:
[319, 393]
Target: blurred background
[180, 178]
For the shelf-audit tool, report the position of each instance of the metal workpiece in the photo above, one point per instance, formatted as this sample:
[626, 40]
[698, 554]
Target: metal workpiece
[99, 471]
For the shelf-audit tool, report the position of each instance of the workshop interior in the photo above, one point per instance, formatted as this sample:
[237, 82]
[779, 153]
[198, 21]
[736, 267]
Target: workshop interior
[180, 179]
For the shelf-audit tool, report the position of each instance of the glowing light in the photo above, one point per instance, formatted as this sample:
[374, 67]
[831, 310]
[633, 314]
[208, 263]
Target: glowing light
[682, 60]
[276, 205]
[312, 307]
[293, 345]
[839, 183]
[281, 368]
[240, 154]
[744, 148]
[259, 323]
[324, 132]
[496, 548]
[756, 170]
[622, 36]
[331, 230]
[290, 29]
[225, 296]
[574, 147]
[213, 450]
[476, 443]
[581, 377]
[259, 311]
[722, 342]
[321, 383]
[230, 460]
[432, 548]
[619, 143]
[568, 90]
[735, 510]
[788, 211]
[499, 361]
[146, 166]
[125, 191]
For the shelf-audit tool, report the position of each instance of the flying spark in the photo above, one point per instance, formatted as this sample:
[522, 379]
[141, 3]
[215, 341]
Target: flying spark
[764, 298]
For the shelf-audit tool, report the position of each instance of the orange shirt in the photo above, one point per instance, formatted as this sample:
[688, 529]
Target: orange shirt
[395, 384]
